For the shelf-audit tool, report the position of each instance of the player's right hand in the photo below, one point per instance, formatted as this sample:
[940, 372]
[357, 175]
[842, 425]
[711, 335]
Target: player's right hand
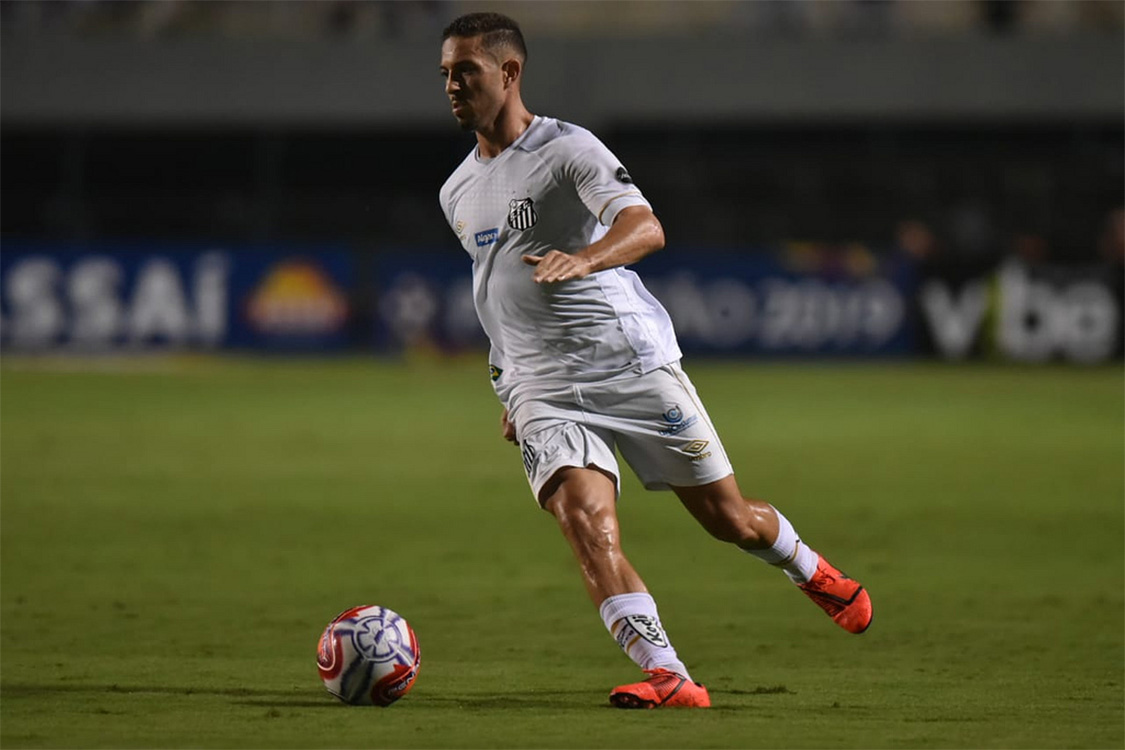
[558, 266]
[507, 429]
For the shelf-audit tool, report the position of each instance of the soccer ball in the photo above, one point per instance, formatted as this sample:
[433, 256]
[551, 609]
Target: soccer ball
[368, 656]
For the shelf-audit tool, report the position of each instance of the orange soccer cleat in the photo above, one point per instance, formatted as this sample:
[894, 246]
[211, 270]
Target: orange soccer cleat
[843, 599]
[663, 688]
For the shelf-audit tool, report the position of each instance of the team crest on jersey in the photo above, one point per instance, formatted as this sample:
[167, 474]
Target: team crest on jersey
[521, 213]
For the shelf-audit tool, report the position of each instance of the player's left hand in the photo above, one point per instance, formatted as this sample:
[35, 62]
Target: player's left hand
[507, 428]
[557, 266]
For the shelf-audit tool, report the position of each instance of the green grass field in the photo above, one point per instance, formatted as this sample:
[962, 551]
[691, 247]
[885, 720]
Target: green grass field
[177, 532]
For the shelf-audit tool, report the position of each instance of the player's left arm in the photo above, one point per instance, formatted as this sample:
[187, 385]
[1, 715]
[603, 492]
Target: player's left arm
[635, 233]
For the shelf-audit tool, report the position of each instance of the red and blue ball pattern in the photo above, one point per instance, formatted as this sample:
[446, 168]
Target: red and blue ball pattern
[368, 656]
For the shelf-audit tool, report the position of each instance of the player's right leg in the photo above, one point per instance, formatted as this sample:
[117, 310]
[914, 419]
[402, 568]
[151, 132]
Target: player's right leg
[583, 501]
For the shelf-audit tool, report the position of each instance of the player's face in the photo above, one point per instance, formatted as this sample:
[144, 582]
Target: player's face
[474, 82]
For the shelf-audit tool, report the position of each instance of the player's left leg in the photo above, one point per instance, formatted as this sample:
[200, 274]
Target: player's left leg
[666, 436]
[762, 530]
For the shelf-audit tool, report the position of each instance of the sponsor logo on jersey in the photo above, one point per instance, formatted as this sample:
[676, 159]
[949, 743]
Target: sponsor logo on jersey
[623, 176]
[521, 213]
[487, 237]
[674, 421]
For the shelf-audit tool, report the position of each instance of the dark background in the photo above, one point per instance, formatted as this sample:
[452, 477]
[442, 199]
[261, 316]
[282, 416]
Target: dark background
[744, 123]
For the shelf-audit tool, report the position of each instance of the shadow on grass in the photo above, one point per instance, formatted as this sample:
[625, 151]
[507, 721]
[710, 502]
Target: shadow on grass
[315, 698]
[326, 702]
[294, 697]
[772, 690]
[26, 690]
[481, 703]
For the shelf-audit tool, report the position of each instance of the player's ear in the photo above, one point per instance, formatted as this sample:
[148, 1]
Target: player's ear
[511, 70]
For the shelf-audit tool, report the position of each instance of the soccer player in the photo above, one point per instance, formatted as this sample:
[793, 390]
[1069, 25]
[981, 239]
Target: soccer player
[584, 358]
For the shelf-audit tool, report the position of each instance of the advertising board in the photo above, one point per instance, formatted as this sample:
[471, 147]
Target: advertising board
[131, 297]
[1025, 313]
[804, 301]
[798, 300]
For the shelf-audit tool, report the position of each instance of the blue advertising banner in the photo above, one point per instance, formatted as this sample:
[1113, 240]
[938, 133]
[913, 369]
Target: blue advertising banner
[794, 300]
[426, 299]
[122, 296]
[803, 300]
[800, 300]
[1025, 312]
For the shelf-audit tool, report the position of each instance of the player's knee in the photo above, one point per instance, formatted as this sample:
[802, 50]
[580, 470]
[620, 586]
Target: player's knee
[593, 533]
[585, 517]
[577, 514]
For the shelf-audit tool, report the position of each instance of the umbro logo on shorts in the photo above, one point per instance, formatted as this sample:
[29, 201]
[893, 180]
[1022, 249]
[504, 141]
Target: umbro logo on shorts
[697, 450]
[521, 213]
[695, 447]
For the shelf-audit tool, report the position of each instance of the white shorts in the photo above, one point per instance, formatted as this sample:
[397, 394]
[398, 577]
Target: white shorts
[656, 420]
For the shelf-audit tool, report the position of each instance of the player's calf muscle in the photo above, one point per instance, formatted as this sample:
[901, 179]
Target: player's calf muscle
[722, 511]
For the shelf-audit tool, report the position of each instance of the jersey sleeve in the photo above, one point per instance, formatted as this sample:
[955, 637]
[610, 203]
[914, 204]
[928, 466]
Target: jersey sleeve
[603, 184]
[445, 199]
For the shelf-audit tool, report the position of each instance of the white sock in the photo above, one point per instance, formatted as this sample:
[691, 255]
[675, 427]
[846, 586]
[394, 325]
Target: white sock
[789, 553]
[632, 621]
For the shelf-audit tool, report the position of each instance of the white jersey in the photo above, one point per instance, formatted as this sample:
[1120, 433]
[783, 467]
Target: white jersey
[557, 187]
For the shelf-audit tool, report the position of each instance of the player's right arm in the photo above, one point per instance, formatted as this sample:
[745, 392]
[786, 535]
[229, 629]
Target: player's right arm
[635, 233]
[607, 190]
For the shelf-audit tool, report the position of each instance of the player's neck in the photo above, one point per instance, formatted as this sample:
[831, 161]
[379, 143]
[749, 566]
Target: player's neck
[510, 124]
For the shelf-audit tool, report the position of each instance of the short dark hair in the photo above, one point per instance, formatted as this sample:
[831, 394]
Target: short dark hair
[496, 30]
